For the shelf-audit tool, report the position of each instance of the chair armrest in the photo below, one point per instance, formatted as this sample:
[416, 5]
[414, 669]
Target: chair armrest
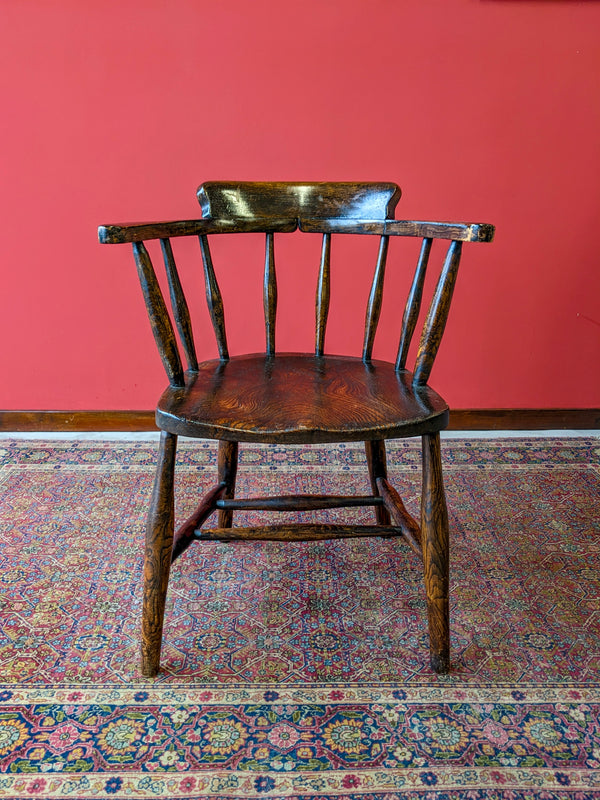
[142, 231]
[461, 232]
[458, 231]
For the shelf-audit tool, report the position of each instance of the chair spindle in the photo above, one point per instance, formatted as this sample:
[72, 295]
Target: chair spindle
[214, 299]
[323, 292]
[270, 294]
[413, 305]
[179, 305]
[375, 300]
[160, 321]
[437, 316]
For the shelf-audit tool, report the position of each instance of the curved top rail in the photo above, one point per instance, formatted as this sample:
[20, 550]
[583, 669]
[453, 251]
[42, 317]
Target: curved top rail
[254, 200]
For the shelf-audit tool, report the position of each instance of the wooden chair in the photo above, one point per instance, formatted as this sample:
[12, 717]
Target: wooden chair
[297, 397]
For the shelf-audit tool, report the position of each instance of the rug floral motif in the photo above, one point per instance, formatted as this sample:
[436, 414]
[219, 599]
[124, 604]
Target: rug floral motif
[300, 670]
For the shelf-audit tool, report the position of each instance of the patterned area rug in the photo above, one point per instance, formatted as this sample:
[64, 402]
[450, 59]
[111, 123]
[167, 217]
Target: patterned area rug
[300, 670]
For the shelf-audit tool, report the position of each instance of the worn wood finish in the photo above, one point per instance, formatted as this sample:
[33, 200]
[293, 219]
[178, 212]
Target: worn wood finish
[298, 502]
[157, 557]
[413, 305]
[270, 295]
[400, 516]
[179, 305]
[457, 231]
[298, 398]
[162, 329]
[295, 533]
[250, 200]
[227, 472]
[436, 558]
[375, 300]
[214, 299]
[323, 294]
[434, 326]
[145, 231]
[185, 534]
[377, 466]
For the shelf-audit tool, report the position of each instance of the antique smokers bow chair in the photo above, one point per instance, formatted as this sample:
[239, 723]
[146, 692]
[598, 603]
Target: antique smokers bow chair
[295, 398]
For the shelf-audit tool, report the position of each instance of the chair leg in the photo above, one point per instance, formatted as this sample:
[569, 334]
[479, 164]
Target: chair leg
[157, 560]
[376, 462]
[227, 466]
[434, 525]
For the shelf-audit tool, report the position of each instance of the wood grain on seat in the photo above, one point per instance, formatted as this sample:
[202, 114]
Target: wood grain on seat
[300, 398]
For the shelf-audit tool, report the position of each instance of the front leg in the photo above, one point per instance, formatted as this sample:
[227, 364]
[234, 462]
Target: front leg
[436, 555]
[157, 559]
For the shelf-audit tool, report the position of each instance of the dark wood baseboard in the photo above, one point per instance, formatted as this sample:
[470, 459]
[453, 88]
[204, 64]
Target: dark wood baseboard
[477, 419]
[524, 419]
[77, 421]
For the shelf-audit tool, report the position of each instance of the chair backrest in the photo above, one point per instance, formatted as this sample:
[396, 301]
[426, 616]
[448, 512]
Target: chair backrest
[226, 199]
[325, 208]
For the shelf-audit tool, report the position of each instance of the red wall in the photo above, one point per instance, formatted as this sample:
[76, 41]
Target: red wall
[482, 110]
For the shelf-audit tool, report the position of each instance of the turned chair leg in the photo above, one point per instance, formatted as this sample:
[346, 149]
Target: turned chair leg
[227, 467]
[376, 462]
[434, 525]
[157, 559]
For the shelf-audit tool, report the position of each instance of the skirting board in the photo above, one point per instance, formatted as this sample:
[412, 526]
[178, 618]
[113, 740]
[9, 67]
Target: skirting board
[470, 419]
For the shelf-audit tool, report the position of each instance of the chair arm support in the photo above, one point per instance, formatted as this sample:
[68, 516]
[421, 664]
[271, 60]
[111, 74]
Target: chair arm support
[142, 231]
[458, 231]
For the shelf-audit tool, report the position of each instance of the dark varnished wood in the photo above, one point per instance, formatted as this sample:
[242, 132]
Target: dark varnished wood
[377, 466]
[145, 231]
[270, 295]
[185, 534]
[457, 231]
[251, 200]
[157, 557]
[299, 502]
[299, 398]
[413, 305]
[375, 300]
[227, 466]
[291, 398]
[399, 515]
[162, 329]
[179, 305]
[295, 533]
[323, 295]
[434, 326]
[436, 557]
[214, 299]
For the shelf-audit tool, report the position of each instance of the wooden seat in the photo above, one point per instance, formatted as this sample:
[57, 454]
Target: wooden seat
[296, 398]
[327, 399]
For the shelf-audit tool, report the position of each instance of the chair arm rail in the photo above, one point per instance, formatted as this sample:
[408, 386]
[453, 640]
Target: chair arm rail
[143, 231]
[458, 231]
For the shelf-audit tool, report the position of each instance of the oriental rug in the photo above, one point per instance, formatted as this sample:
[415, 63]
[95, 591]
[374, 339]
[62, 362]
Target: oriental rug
[301, 670]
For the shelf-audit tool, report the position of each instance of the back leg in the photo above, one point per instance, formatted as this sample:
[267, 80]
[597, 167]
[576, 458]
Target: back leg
[227, 472]
[376, 462]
